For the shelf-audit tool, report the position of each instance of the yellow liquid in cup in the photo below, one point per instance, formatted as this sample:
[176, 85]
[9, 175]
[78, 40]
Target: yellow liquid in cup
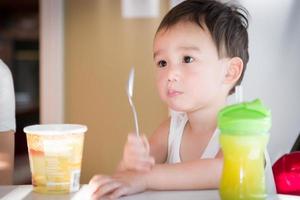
[55, 162]
[243, 176]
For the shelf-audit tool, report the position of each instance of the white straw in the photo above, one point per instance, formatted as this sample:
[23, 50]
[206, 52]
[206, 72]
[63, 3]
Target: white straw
[238, 94]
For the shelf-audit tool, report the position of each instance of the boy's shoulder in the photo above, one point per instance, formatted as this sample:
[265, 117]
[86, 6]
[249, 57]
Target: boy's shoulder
[160, 135]
[164, 127]
[174, 118]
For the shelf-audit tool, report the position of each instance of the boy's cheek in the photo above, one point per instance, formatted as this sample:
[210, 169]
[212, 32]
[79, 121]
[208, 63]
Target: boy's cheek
[161, 86]
[162, 95]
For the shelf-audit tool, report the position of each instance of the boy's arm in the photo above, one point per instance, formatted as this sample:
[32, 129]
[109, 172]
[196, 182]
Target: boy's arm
[198, 174]
[7, 144]
[159, 142]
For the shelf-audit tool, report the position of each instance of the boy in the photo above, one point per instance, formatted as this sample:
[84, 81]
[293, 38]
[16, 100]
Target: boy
[200, 51]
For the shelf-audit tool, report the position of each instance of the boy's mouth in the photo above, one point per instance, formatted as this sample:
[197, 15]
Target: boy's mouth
[173, 93]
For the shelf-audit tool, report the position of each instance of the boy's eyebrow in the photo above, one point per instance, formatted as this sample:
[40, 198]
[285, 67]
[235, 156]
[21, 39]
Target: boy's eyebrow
[190, 48]
[155, 53]
[193, 48]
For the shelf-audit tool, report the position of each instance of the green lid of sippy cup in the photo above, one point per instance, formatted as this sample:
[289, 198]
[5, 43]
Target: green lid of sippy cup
[245, 118]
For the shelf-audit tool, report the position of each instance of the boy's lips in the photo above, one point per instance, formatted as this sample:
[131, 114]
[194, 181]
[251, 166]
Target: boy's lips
[173, 93]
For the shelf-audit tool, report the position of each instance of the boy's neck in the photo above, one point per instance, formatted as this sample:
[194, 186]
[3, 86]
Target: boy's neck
[204, 120]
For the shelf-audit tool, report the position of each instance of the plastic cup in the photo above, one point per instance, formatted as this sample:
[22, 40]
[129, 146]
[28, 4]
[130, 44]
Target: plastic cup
[244, 137]
[55, 154]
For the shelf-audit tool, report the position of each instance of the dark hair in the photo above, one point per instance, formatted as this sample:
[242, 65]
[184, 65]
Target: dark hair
[226, 22]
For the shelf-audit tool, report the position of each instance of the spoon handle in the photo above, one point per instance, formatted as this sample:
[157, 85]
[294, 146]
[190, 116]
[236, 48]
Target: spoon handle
[135, 120]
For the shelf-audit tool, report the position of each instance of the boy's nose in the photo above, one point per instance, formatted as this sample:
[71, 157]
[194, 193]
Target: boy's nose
[173, 75]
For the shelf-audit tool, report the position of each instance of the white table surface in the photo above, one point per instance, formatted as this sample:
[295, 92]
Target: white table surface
[24, 192]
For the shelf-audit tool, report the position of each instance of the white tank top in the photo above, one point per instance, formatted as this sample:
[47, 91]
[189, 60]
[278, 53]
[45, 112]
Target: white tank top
[178, 122]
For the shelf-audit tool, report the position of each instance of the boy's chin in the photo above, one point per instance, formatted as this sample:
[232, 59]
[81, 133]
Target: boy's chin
[178, 106]
[182, 109]
[177, 109]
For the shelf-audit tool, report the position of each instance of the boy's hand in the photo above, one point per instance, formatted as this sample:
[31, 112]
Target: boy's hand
[100, 186]
[136, 155]
[121, 184]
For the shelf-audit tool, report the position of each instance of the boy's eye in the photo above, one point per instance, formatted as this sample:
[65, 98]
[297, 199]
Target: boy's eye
[162, 63]
[188, 59]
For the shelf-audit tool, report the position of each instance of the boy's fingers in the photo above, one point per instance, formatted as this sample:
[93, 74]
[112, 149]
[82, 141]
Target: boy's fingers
[151, 160]
[100, 198]
[97, 181]
[132, 138]
[134, 144]
[121, 191]
[140, 165]
[138, 148]
[97, 178]
[143, 168]
[138, 151]
[105, 189]
[134, 160]
[146, 144]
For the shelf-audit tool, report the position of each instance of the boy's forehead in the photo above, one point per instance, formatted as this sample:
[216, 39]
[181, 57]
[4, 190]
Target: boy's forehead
[183, 26]
[183, 30]
[186, 21]
[183, 36]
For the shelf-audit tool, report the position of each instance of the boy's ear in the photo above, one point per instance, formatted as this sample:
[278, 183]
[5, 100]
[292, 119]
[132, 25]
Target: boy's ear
[234, 70]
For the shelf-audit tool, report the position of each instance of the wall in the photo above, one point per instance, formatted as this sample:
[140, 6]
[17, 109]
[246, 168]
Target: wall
[100, 48]
[274, 67]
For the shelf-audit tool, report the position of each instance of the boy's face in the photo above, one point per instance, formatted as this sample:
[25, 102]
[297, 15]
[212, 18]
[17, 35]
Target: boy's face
[189, 73]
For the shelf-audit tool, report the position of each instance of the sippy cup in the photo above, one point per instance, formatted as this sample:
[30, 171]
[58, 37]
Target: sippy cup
[244, 137]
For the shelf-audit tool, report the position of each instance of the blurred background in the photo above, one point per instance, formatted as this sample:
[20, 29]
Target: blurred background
[70, 62]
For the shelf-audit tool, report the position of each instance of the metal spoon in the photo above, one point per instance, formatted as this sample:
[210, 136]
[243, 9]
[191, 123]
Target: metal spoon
[130, 94]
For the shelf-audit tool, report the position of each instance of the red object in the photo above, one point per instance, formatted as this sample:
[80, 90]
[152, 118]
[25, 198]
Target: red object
[287, 173]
